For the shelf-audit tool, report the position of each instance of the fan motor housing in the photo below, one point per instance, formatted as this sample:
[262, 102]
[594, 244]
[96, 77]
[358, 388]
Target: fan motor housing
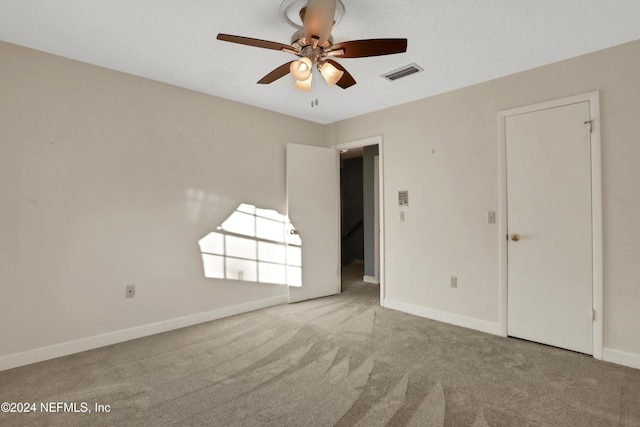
[298, 39]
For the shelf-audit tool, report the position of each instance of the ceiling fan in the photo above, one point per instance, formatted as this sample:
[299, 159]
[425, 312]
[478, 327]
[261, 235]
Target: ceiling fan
[314, 45]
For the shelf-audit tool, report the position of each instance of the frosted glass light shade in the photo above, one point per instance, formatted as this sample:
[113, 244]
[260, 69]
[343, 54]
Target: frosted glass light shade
[304, 85]
[331, 74]
[301, 69]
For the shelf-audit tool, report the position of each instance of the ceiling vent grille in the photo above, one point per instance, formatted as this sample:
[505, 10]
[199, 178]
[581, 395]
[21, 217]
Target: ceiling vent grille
[405, 71]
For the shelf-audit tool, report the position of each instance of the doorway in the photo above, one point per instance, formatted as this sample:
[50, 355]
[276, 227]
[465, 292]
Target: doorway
[352, 211]
[551, 252]
[361, 213]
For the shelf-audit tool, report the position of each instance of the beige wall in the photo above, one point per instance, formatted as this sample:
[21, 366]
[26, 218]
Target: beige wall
[107, 179]
[444, 150]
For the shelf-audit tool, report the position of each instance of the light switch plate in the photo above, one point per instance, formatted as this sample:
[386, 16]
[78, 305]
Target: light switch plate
[491, 217]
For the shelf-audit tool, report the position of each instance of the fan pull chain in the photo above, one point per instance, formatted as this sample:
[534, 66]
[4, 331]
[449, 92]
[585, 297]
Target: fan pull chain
[315, 88]
[314, 102]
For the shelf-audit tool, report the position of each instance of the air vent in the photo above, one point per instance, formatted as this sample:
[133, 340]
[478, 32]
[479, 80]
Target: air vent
[405, 71]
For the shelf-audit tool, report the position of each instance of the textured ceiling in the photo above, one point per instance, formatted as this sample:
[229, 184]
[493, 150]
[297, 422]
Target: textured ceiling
[457, 42]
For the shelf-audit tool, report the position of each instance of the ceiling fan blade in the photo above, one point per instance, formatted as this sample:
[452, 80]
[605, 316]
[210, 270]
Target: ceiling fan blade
[281, 71]
[347, 80]
[318, 20]
[265, 44]
[370, 47]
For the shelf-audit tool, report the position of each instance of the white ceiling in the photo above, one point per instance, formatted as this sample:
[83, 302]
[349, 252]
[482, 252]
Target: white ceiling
[457, 42]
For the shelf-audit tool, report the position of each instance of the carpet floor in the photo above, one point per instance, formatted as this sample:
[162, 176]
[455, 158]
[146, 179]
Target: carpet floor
[335, 361]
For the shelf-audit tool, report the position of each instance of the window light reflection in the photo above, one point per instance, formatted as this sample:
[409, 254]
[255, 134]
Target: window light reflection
[253, 245]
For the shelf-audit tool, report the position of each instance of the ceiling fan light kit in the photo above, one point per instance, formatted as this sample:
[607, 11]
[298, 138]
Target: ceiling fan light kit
[301, 69]
[314, 45]
[330, 73]
[304, 85]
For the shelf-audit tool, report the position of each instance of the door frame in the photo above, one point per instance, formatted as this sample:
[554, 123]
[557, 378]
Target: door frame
[596, 209]
[373, 140]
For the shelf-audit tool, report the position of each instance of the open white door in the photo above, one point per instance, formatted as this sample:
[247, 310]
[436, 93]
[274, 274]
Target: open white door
[312, 205]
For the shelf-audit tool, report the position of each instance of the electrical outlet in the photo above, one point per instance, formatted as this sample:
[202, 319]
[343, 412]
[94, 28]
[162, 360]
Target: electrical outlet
[130, 291]
[401, 216]
[454, 282]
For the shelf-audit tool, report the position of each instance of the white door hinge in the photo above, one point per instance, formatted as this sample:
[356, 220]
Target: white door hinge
[593, 314]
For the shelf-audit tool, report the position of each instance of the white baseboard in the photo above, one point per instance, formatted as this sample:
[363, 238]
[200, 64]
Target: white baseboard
[370, 279]
[70, 347]
[443, 316]
[620, 357]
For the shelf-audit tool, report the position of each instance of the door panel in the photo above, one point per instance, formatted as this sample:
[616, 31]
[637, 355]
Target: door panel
[550, 282]
[312, 199]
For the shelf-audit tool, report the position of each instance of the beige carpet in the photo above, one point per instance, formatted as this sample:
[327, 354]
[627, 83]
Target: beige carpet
[339, 360]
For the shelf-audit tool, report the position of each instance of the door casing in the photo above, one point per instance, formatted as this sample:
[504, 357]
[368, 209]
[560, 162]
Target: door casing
[596, 209]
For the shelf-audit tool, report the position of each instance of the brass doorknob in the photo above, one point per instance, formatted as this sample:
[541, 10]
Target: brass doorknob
[515, 237]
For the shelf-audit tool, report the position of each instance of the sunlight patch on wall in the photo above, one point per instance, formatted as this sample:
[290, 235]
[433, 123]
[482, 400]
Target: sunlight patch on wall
[201, 204]
[254, 245]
